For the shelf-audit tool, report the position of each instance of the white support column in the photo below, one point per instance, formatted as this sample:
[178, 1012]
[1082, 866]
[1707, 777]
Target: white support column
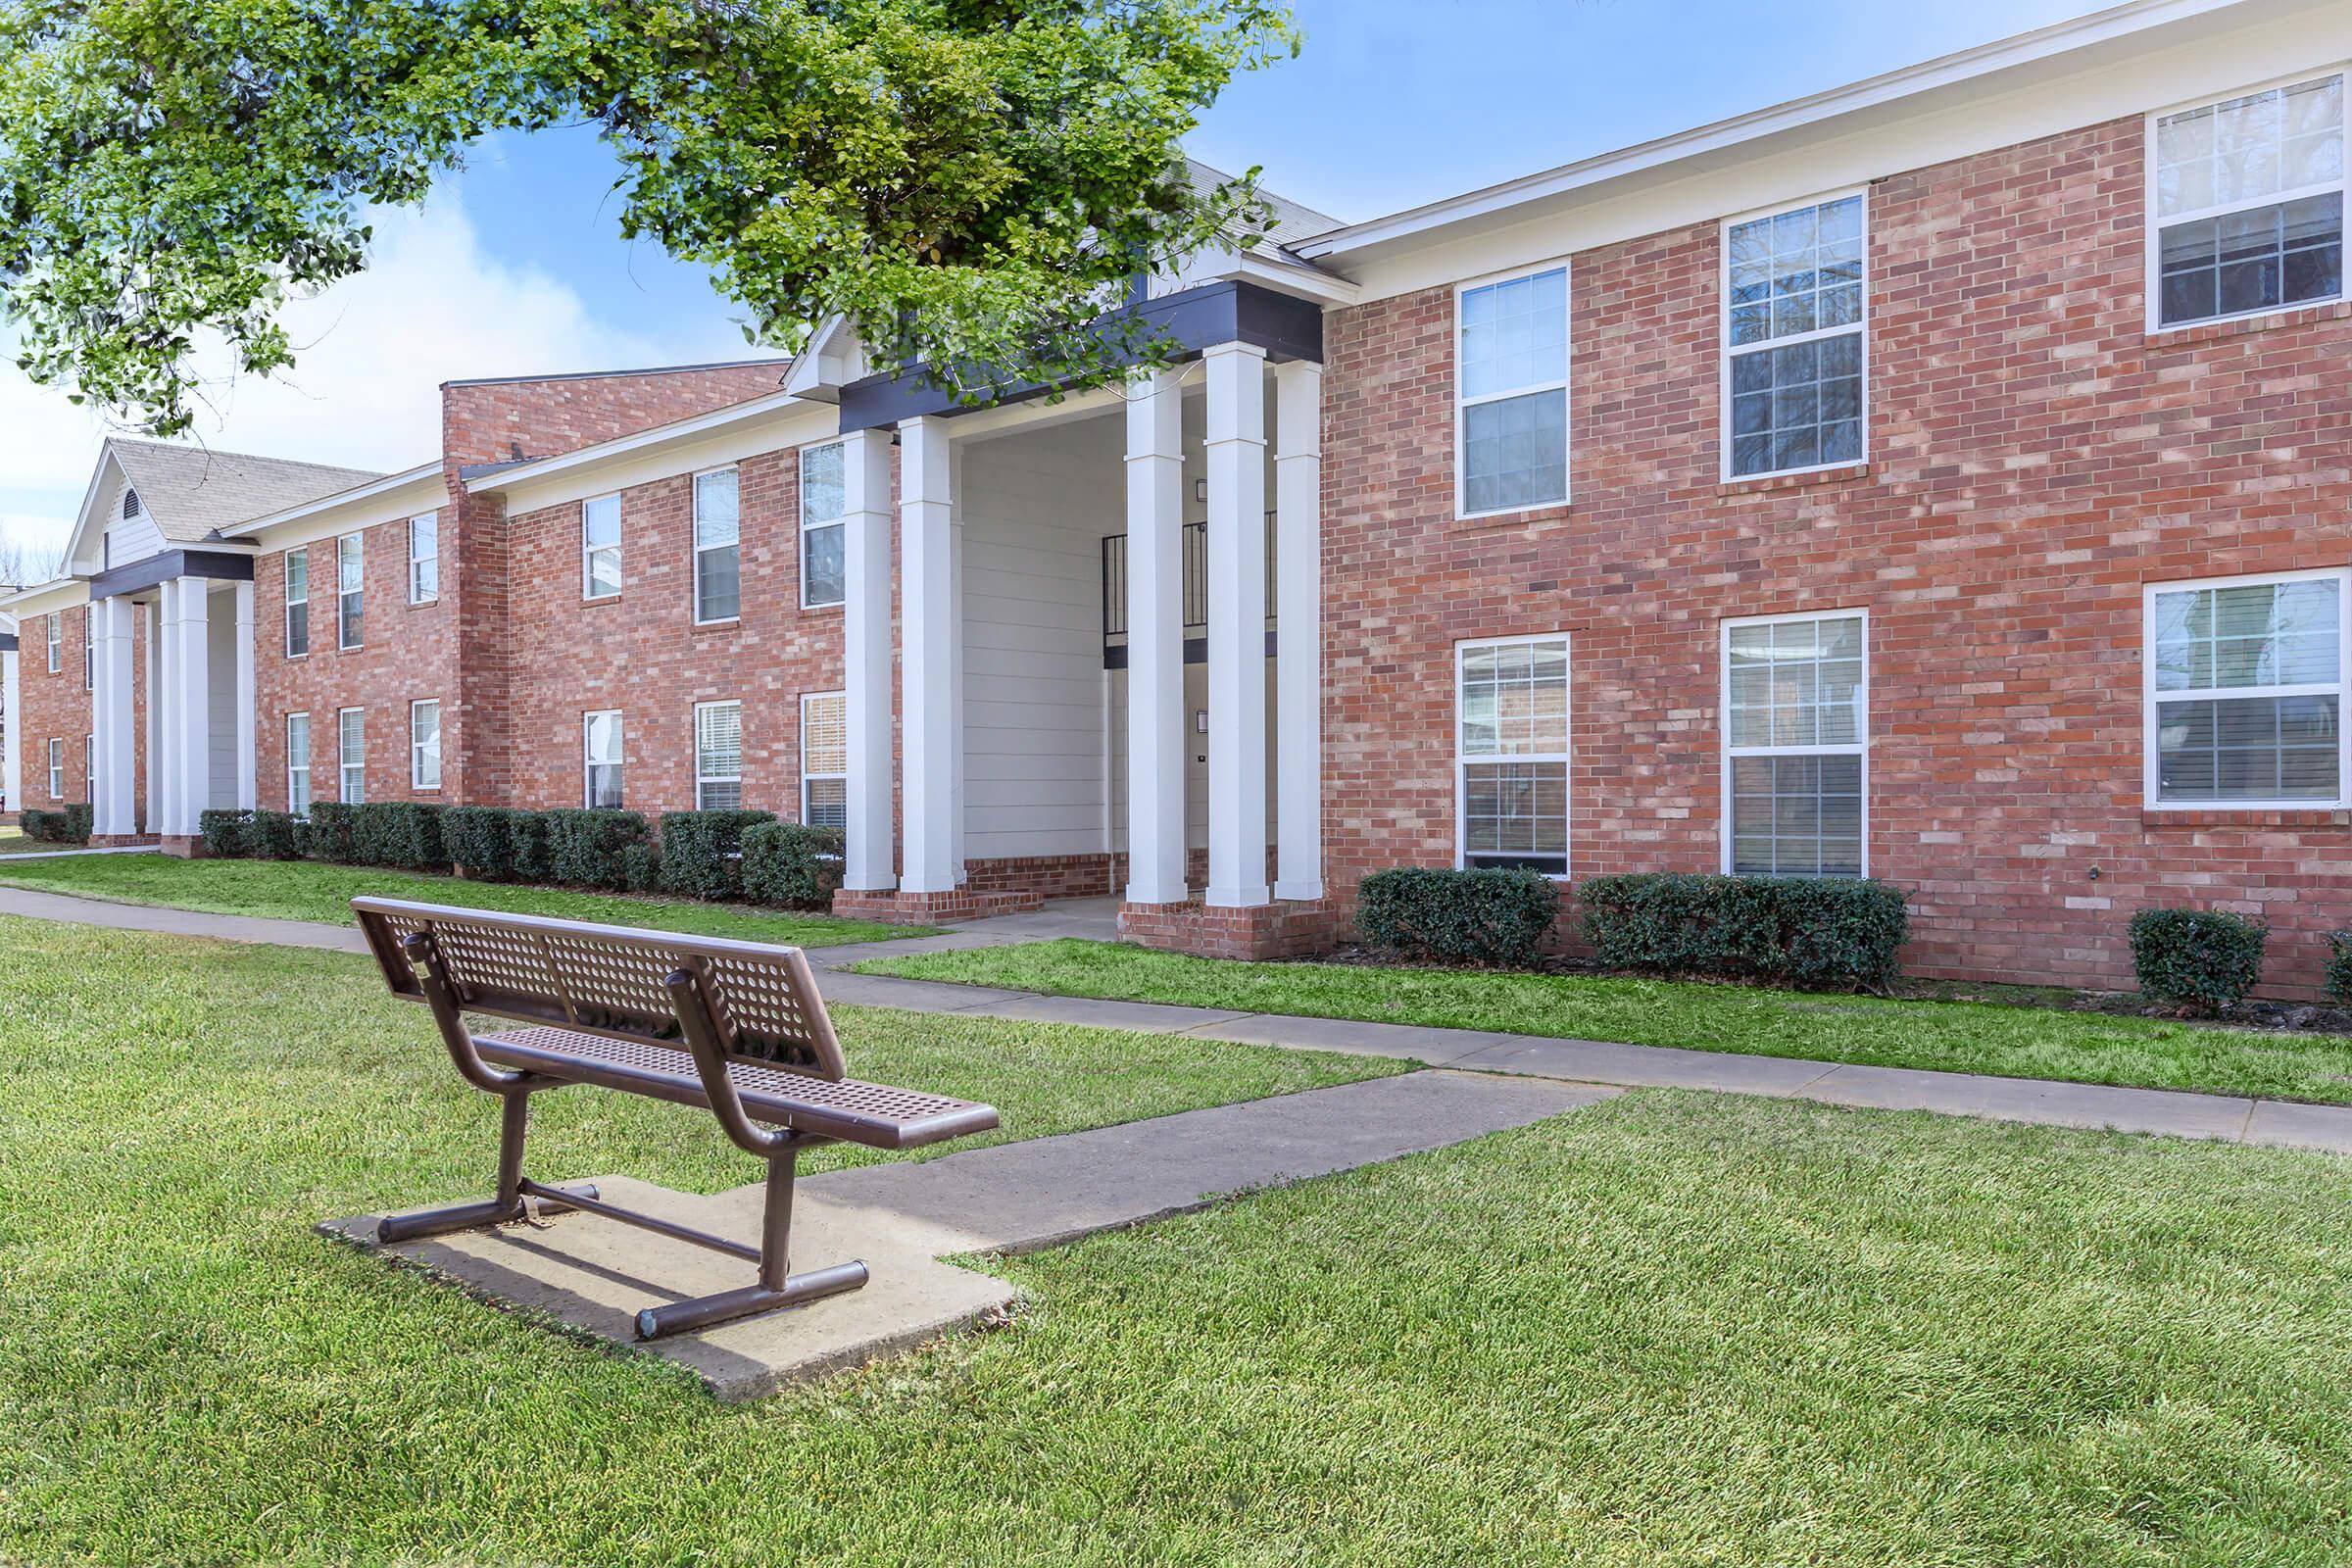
[1237, 626]
[955, 697]
[248, 768]
[162, 782]
[870, 863]
[187, 693]
[1298, 628]
[1155, 727]
[113, 803]
[12, 733]
[928, 657]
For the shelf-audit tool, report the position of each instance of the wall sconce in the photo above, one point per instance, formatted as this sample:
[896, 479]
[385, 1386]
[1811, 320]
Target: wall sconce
[1199, 720]
[1199, 489]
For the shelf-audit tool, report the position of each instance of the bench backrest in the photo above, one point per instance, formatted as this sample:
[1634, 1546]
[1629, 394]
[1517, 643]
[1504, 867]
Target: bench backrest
[612, 980]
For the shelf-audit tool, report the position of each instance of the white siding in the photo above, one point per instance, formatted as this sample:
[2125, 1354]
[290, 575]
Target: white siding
[221, 681]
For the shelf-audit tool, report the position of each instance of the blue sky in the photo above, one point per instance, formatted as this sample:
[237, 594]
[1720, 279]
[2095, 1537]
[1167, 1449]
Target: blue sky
[517, 266]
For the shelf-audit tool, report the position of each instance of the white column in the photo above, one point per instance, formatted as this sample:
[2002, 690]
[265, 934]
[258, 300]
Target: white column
[869, 862]
[1237, 626]
[187, 703]
[114, 808]
[248, 784]
[1298, 628]
[1156, 727]
[12, 733]
[927, 657]
[955, 697]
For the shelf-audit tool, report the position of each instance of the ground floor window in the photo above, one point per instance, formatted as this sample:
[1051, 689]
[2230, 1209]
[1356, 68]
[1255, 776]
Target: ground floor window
[2245, 691]
[825, 759]
[297, 764]
[57, 769]
[600, 752]
[424, 745]
[352, 751]
[1511, 752]
[718, 757]
[1796, 745]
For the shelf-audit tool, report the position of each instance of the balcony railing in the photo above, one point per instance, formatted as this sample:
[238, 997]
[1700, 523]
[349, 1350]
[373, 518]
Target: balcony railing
[1196, 594]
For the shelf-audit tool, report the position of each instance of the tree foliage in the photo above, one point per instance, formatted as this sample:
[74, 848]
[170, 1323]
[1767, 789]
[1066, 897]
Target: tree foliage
[968, 181]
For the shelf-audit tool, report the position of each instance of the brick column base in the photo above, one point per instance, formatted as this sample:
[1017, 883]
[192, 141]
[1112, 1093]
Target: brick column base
[183, 846]
[892, 907]
[122, 841]
[1278, 930]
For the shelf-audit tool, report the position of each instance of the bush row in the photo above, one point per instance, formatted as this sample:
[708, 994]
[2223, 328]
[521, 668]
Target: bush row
[69, 825]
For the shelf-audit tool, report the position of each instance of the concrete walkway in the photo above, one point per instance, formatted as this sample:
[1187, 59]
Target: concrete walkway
[2229, 1118]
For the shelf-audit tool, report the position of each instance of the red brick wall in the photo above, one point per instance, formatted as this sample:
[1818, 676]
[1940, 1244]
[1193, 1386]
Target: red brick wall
[55, 705]
[2036, 457]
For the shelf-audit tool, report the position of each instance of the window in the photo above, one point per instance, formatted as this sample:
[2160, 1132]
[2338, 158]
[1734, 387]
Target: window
[824, 570]
[2248, 204]
[298, 603]
[1794, 339]
[1511, 752]
[57, 769]
[599, 547]
[57, 641]
[349, 583]
[717, 557]
[1796, 695]
[424, 745]
[89, 768]
[297, 764]
[718, 757]
[89, 648]
[1511, 393]
[600, 754]
[2245, 691]
[825, 759]
[424, 559]
[351, 737]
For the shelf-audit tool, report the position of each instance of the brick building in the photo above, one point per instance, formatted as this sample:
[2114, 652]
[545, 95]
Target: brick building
[1943, 479]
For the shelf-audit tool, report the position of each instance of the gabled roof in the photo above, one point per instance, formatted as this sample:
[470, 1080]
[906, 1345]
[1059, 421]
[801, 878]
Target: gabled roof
[192, 493]
[1293, 220]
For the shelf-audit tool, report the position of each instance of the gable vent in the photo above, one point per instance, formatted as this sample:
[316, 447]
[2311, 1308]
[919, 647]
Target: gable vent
[130, 504]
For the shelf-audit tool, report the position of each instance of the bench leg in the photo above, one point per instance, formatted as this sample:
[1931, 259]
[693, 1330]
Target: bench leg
[514, 1116]
[777, 1287]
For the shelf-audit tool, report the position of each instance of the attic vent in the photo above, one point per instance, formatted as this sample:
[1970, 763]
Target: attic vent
[130, 504]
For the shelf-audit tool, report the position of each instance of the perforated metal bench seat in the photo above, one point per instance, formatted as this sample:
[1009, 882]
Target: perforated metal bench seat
[873, 1114]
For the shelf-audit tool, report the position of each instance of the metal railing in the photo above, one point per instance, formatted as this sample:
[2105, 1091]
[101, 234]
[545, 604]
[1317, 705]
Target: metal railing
[1195, 579]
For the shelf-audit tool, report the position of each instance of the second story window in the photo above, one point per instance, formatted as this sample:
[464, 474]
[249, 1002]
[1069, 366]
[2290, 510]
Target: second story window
[2248, 203]
[57, 642]
[89, 649]
[349, 583]
[424, 559]
[1511, 394]
[717, 552]
[823, 568]
[1794, 339]
[298, 601]
[599, 547]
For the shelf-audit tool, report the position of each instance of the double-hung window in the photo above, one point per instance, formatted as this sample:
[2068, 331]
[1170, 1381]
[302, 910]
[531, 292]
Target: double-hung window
[1511, 393]
[89, 648]
[351, 753]
[600, 753]
[424, 743]
[824, 569]
[2248, 198]
[718, 548]
[718, 757]
[89, 768]
[349, 583]
[599, 547]
[297, 764]
[1511, 752]
[57, 769]
[424, 558]
[1796, 694]
[2245, 691]
[298, 601]
[57, 641]
[825, 759]
[1793, 302]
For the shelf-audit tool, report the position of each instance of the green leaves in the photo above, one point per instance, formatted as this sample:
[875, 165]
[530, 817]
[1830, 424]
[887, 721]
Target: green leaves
[970, 183]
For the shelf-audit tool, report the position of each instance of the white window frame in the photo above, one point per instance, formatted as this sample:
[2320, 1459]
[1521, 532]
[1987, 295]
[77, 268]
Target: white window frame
[702, 779]
[416, 747]
[89, 767]
[57, 642]
[304, 603]
[2151, 761]
[431, 560]
[57, 767]
[696, 548]
[1462, 759]
[808, 777]
[1723, 334]
[358, 543]
[298, 766]
[589, 552]
[1858, 746]
[2153, 224]
[1566, 268]
[343, 764]
[803, 527]
[589, 764]
[89, 646]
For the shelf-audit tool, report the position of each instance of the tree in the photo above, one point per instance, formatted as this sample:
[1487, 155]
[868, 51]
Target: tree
[968, 181]
[22, 565]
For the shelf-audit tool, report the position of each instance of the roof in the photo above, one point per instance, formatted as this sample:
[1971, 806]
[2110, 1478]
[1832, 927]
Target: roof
[1293, 220]
[781, 364]
[192, 494]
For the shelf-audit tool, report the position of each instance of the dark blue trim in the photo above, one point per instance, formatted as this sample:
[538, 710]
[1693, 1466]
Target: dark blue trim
[220, 566]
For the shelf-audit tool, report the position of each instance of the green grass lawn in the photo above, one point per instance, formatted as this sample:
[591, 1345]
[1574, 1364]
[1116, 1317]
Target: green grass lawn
[1670, 1330]
[309, 890]
[14, 842]
[1948, 1036]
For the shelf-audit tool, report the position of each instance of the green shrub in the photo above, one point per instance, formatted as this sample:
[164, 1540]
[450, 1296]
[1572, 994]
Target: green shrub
[2201, 958]
[330, 833]
[584, 847]
[527, 840]
[2340, 966]
[1491, 915]
[641, 867]
[1801, 931]
[276, 836]
[481, 840]
[404, 834]
[226, 834]
[701, 852]
[80, 822]
[65, 825]
[792, 864]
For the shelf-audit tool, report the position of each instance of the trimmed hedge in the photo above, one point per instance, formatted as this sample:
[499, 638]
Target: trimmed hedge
[792, 864]
[2201, 958]
[276, 836]
[226, 834]
[330, 833]
[69, 824]
[641, 867]
[404, 835]
[1488, 915]
[480, 841]
[701, 852]
[584, 847]
[1799, 931]
[2340, 966]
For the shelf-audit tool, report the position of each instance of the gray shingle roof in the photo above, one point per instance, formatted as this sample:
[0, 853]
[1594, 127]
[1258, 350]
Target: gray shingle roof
[193, 493]
[1292, 220]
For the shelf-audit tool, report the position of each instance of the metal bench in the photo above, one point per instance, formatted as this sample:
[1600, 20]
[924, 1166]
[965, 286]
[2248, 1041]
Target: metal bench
[735, 1027]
